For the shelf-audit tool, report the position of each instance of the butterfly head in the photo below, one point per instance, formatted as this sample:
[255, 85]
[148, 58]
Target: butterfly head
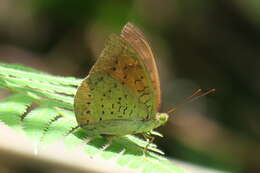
[162, 117]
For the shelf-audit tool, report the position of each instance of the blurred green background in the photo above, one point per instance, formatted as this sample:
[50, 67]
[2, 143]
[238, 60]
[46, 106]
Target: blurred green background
[198, 44]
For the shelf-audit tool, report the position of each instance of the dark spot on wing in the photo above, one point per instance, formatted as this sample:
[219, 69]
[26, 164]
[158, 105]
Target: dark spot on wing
[131, 112]
[149, 107]
[120, 108]
[125, 110]
[137, 80]
[147, 101]
[142, 90]
[144, 94]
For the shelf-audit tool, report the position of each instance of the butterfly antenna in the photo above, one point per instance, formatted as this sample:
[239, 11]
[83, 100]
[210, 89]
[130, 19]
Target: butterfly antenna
[194, 96]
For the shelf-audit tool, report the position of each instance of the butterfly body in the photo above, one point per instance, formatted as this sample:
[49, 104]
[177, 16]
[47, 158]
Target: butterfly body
[121, 93]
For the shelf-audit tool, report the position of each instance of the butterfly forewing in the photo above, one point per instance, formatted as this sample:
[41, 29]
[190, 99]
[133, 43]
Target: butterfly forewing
[118, 86]
[137, 40]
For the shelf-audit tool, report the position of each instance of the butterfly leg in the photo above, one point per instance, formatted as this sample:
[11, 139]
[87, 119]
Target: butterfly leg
[89, 139]
[109, 138]
[149, 138]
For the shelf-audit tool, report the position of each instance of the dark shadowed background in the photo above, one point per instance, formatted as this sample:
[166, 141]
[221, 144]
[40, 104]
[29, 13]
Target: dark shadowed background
[198, 44]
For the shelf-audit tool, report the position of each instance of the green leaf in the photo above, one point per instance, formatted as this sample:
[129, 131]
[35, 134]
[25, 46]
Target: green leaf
[41, 106]
[13, 108]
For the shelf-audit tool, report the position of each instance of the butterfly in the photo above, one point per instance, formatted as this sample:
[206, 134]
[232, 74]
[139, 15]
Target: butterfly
[121, 95]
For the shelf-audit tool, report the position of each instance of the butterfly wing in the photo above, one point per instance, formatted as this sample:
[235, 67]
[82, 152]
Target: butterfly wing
[136, 38]
[118, 87]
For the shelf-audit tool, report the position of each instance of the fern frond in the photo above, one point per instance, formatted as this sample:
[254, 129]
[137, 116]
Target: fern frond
[41, 106]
